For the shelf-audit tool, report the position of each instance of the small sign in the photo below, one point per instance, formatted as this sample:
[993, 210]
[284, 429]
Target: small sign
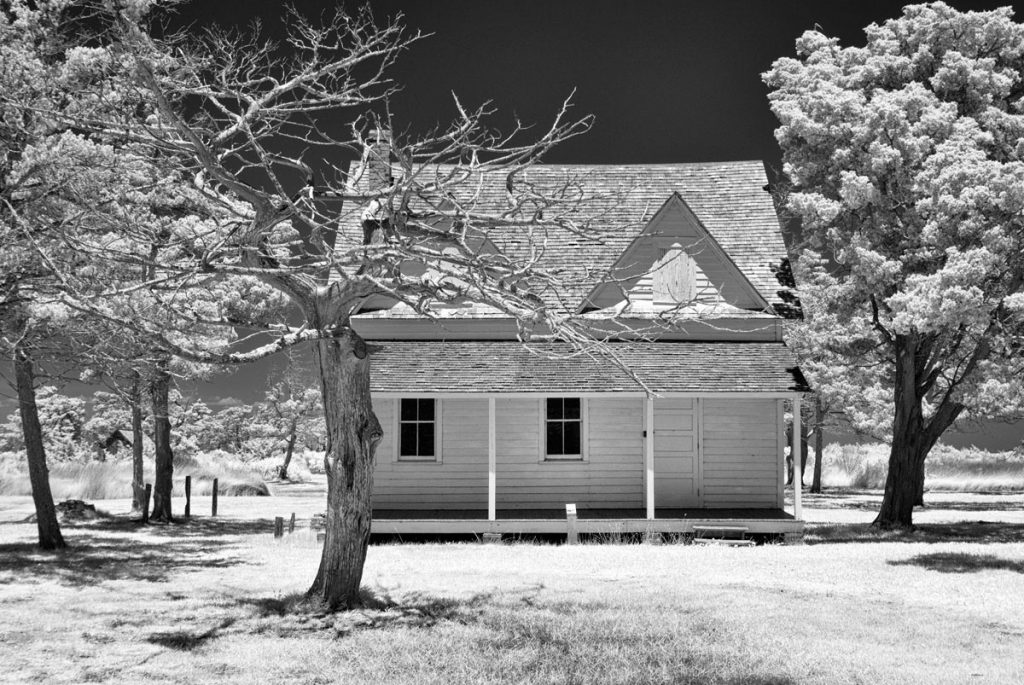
[570, 509]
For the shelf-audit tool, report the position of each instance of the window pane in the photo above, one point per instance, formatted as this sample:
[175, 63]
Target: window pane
[408, 410]
[407, 440]
[426, 410]
[572, 437]
[571, 407]
[554, 408]
[554, 437]
[426, 441]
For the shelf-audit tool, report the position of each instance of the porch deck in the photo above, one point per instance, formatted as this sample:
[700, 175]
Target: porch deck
[553, 521]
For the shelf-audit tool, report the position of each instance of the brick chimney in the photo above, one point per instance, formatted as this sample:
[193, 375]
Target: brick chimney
[376, 163]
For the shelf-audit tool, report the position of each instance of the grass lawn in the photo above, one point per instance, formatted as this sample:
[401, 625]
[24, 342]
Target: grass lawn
[213, 601]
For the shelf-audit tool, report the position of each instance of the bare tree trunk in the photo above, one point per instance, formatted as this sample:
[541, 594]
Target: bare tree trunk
[353, 433]
[912, 439]
[138, 488]
[819, 444]
[163, 457]
[789, 457]
[919, 500]
[46, 515]
[293, 434]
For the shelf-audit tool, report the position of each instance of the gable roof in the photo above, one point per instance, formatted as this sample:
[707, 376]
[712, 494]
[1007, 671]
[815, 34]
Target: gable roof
[728, 198]
[411, 366]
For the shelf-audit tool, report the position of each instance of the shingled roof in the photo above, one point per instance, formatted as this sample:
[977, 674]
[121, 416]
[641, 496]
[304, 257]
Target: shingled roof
[507, 366]
[728, 198]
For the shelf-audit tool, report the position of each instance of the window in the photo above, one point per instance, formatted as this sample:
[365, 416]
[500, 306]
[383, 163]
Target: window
[417, 429]
[564, 428]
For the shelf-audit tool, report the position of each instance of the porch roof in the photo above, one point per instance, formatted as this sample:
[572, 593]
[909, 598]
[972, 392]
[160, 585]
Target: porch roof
[509, 367]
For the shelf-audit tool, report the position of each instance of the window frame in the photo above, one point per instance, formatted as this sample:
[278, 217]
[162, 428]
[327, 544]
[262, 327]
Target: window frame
[584, 456]
[397, 456]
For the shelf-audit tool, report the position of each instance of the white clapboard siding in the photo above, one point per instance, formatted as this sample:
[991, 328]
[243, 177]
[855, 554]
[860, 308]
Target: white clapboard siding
[612, 476]
[459, 481]
[739, 458]
[740, 453]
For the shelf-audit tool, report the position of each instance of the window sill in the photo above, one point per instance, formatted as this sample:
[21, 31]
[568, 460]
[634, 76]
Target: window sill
[418, 460]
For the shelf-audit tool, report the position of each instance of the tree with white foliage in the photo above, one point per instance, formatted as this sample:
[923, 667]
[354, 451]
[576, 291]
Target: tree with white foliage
[907, 164]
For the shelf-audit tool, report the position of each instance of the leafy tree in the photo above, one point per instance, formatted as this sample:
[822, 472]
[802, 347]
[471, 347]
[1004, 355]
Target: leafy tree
[49, 175]
[907, 173]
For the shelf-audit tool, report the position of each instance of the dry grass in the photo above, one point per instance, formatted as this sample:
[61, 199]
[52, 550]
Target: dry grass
[948, 469]
[215, 601]
[112, 479]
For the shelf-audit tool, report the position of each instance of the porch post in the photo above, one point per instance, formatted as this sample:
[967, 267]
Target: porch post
[492, 461]
[649, 454]
[798, 484]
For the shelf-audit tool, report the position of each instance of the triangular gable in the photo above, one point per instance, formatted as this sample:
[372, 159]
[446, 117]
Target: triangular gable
[414, 269]
[675, 246]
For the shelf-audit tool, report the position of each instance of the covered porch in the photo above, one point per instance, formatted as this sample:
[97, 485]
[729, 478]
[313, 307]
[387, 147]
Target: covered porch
[588, 521]
[704, 444]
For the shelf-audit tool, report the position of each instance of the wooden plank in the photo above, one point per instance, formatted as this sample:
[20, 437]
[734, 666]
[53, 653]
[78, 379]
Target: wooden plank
[780, 427]
[699, 409]
[797, 484]
[649, 456]
[492, 459]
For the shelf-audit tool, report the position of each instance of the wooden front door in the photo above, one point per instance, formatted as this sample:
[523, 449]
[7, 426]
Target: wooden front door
[676, 465]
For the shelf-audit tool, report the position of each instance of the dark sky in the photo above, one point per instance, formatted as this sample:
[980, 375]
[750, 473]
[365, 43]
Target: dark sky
[668, 81]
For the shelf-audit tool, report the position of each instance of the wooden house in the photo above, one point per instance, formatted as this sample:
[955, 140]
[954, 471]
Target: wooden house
[483, 435]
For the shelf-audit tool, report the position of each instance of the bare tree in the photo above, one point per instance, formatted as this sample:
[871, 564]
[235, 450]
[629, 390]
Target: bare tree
[446, 217]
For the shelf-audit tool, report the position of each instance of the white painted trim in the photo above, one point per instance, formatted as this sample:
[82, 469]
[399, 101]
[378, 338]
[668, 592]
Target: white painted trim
[438, 458]
[649, 455]
[492, 460]
[542, 436]
[698, 414]
[780, 421]
[798, 485]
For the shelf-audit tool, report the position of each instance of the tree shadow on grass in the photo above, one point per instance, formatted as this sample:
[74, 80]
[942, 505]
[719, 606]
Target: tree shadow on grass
[196, 526]
[980, 531]
[958, 562]
[291, 614]
[94, 556]
[186, 641]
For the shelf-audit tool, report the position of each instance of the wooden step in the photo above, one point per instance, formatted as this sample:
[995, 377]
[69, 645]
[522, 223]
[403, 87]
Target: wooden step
[724, 542]
[721, 532]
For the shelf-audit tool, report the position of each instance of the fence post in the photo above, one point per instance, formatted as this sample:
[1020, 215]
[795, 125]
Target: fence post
[291, 524]
[213, 506]
[145, 502]
[188, 496]
[278, 526]
[572, 536]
